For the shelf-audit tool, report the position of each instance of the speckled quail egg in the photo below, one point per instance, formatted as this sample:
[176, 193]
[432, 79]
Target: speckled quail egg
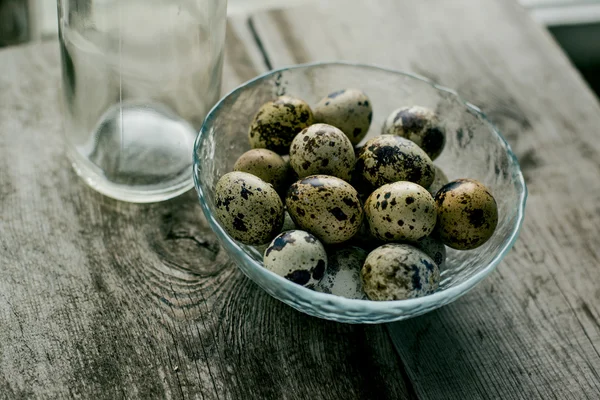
[400, 211]
[326, 206]
[248, 208]
[349, 109]
[419, 124]
[266, 164]
[467, 214]
[434, 248]
[342, 275]
[388, 158]
[440, 180]
[397, 272]
[298, 256]
[277, 123]
[322, 149]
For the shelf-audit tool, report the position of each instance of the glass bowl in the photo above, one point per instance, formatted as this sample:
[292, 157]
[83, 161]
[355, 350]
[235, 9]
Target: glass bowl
[474, 149]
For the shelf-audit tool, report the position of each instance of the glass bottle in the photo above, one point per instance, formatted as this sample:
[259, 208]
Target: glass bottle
[139, 76]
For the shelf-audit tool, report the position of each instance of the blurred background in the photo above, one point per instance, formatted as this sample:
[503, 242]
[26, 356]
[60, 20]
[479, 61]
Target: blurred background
[575, 24]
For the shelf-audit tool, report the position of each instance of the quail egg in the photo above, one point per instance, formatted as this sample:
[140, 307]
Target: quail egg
[400, 211]
[248, 208]
[397, 272]
[277, 123]
[440, 180]
[467, 214]
[388, 158]
[266, 164]
[342, 275]
[419, 124]
[326, 206]
[322, 149]
[298, 256]
[349, 109]
[434, 248]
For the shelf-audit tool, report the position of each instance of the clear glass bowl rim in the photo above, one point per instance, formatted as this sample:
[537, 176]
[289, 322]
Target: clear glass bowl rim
[314, 297]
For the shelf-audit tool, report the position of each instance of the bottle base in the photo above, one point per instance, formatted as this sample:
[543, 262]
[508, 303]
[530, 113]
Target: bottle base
[138, 153]
[168, 190]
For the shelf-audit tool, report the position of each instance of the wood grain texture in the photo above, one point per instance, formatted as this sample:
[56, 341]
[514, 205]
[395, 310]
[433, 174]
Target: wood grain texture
[532, 329]
[106, 300]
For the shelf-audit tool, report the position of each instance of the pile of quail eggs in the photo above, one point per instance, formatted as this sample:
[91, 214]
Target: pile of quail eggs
[363, 222]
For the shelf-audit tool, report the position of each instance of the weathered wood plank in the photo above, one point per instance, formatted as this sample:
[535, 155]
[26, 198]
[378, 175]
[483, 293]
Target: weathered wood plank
[532, 329]
[102, 299]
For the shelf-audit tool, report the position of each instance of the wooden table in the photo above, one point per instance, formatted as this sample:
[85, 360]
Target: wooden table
[102, 299]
